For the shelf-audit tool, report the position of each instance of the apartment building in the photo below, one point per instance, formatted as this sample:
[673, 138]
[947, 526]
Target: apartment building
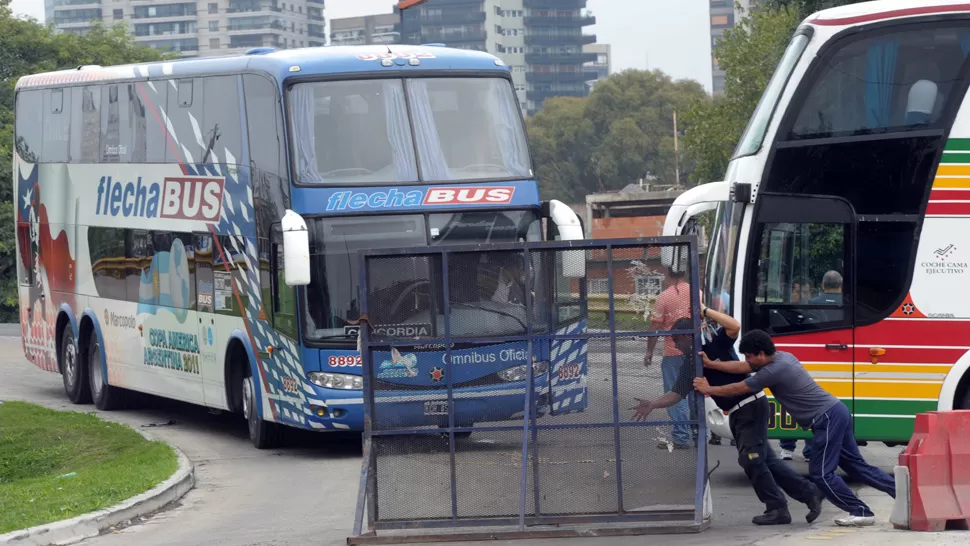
[602, 66]
[723, 17]
[370, 29]
[541, 40]
[203, 27]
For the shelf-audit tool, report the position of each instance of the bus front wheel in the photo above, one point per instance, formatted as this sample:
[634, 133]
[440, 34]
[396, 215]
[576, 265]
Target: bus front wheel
[263, 434]
[73, 372]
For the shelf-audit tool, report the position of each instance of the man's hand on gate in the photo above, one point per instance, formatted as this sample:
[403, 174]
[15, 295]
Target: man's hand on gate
[648, 359]
[707, 361]
[701, 385]
[643, 409]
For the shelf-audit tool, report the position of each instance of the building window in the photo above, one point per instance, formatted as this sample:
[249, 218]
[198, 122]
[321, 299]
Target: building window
[649, 285]
[118, 14]
[213, 7]
[722, 20]
[214, 43]
[598, 286]
[213, 26]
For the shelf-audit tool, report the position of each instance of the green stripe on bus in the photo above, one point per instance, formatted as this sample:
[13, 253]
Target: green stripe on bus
[950, 158]
[958, 144]
[877, 420]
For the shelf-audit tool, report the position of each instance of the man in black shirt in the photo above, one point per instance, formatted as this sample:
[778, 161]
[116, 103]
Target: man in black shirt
[748, 419]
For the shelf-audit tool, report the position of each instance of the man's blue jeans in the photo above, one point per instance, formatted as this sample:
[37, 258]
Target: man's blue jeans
[670, 367]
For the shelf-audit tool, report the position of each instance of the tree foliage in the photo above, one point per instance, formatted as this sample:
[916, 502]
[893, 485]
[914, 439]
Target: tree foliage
[748, 53]
[622, 132]
[807, 7]
[27, 47]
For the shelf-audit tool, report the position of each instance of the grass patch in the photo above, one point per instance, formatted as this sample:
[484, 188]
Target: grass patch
[625, 322]
[38, 447]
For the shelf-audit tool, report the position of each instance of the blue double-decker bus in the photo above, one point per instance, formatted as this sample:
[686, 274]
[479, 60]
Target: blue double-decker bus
[191, 230]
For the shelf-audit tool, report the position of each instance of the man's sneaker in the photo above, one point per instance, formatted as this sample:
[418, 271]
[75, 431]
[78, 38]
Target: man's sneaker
[814, 506]
[786, 454]
[856, 521]
[715, 440]
[779, 516]
[664, 445]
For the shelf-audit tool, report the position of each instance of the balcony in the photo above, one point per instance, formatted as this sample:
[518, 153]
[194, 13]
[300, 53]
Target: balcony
[452, 18]
[559, 39]
[554, 4]
[560, 58]
[561, 77]
[554, 21]
[240, 26]
[453, 37]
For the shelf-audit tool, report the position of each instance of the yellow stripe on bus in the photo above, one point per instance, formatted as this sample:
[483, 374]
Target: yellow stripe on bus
[870, 367]
[950, 183]
[880, 390]
[953, 170]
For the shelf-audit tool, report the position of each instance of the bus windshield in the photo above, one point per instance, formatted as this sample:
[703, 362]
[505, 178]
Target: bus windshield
[754, 134]
[332, 295]
[720, 256]
[407, 130]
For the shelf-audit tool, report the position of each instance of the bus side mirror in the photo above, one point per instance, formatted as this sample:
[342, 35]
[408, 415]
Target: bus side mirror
[570, 229]
[296, 249]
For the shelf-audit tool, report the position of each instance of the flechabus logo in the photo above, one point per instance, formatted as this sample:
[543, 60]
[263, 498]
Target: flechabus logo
[464, 196]
[182, 198]
[443, 195]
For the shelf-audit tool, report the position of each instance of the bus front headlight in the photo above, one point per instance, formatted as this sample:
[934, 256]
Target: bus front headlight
[521, 373]
[343, 381]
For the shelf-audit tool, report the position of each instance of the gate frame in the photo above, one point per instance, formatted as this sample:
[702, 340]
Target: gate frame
[367, 491]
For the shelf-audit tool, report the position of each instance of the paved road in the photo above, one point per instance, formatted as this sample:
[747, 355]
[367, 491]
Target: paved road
[305, 493]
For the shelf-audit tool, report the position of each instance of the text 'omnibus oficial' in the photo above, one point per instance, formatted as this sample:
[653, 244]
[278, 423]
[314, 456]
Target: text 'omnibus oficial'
[843, 225]
[191, 230]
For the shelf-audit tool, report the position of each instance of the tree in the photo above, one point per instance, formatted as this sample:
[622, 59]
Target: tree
[27, 47]
[748, 53]
[622, 132]
[807, 7]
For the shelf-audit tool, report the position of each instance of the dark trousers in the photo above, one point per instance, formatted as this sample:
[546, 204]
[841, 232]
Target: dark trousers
[764, 469]
[834, 445]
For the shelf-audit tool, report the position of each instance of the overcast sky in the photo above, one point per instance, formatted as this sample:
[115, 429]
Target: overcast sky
[672, 35]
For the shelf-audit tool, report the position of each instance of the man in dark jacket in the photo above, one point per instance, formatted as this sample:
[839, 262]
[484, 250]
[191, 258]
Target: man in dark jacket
[748, 419]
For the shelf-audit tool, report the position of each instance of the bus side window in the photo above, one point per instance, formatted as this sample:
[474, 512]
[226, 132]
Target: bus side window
[107, 250]
[221, 129]
[57, 121]
[30, 123]
[283, 296]
[116, 124]
[184, 104]
[801, 277]
[85, 124]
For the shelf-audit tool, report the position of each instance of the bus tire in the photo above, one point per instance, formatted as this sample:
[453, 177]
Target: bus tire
[263, 434]
[106, 397]
[73, 372]
[964, 402]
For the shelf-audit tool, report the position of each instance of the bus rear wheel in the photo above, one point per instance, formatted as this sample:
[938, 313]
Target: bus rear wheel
[106, 397]
[73, 372]
[263, 434]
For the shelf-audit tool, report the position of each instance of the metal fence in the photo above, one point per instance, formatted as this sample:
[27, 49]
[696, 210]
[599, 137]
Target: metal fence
[495, 398]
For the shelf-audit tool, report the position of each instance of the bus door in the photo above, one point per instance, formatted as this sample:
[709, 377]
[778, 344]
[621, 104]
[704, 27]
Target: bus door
[799, 288]
[209, 364]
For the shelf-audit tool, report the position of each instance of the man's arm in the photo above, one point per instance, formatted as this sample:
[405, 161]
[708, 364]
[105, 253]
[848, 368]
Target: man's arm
[656, 321]
[732, 366]
[644, 407]
[731, 326]
[734, 389]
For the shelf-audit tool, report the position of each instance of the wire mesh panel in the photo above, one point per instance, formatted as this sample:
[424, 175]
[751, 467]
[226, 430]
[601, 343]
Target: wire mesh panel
[502, 384]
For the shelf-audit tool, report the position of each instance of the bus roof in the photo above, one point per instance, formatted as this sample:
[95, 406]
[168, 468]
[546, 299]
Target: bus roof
[285, 63]
[870, 12]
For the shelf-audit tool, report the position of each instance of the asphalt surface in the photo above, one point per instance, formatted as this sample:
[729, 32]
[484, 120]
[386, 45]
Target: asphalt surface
[305, 493]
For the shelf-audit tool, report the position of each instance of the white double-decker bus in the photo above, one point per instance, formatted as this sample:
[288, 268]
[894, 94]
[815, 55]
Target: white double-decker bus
[842, 227]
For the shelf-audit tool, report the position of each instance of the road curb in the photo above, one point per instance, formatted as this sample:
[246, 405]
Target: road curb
[92, 524]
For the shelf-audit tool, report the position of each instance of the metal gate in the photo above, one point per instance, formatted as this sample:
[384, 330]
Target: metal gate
[499, 382]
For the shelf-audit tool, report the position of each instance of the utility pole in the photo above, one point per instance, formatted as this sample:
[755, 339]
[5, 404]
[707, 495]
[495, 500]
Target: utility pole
[676, 151]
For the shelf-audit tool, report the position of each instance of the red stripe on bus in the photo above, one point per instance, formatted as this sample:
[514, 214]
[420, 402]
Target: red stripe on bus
[948, 209]
[907, 12]
[949, 195]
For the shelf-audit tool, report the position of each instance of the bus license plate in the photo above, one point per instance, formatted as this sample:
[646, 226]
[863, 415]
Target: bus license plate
[436, 407]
